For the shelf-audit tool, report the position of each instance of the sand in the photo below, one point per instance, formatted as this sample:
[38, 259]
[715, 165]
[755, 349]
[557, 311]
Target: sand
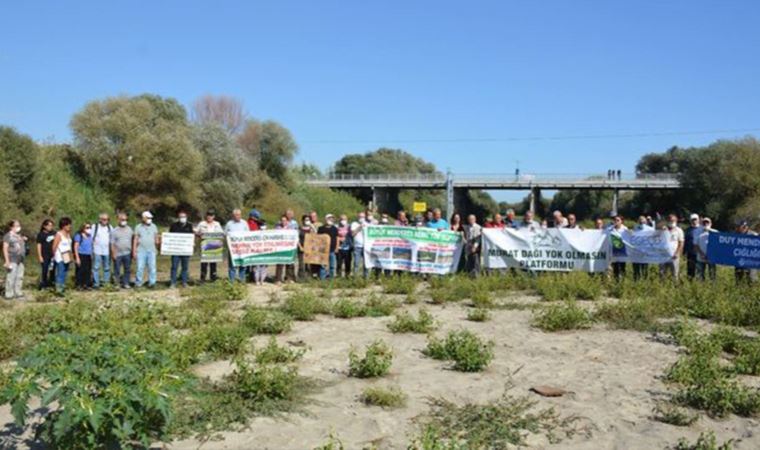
[612, 376]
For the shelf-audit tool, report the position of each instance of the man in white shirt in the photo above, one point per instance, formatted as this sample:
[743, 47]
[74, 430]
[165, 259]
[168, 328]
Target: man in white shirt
[702, 262]
[101, 250]
[676, 239]
[357, 231]
[210, 225]
[235, 225]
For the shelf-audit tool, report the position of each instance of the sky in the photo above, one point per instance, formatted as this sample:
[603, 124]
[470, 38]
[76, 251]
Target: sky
[577, 86]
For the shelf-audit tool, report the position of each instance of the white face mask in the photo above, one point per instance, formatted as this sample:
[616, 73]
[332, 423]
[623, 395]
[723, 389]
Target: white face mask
[370, 217]
[330, 222]
[343, 222]
[123, 223]
[17, 230]
[307, 222]
[148, 221]
[183, 220]
[672, 224]
[87, 232]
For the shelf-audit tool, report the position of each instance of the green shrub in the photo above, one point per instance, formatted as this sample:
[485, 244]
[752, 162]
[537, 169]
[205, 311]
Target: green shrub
[729, 338]
[478, 315]
[302, 305]
[482, 298]
[275, 354]
[407, 323]
[7, 340]
[223, 341]
[637, 314]
[347, 309]
[673, 415]
[392, 397]
[264, 383]
[380, 307]
[266, 321]
[218, 291]
[401, 285]
[564, 316]
[747, 361]
[706, 441]
[568, 286]
[467, 351]
[108, 392]
[375, 363]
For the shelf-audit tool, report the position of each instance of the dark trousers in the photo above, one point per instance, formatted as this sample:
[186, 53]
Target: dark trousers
[184, 263]
[710, 269]
[691, 266]
[84, 271]
[472, 266]
[47, 274]
[210, 269]
[122, 267]
[344, 262]
[618, 270]
[640, 271]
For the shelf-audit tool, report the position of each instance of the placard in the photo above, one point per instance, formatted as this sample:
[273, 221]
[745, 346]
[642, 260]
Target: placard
[316, 249]
[212, 247]
[177, 244]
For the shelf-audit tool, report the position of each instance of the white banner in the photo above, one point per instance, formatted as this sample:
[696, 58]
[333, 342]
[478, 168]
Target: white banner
[177, 244]
[552, 249]
[642, 246]
[412, 249]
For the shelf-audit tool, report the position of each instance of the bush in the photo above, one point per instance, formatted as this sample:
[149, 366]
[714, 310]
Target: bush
[402, 285]
[637, 314]
[478, 315]
[747, 361]
[302, 305]
[392, 397]
[706, 441]
[219, 291]
[264, 383]
[275, 354]
[225, 340]
[266, 321]
[347, 309]
[108, 392]
[673, 415]
[380, 307]
[568, 286]
[564, 316]
[375, 363]
[406, 323]
[467, 351]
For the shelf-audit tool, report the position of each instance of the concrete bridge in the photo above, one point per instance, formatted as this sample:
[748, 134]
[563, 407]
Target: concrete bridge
[385, 187]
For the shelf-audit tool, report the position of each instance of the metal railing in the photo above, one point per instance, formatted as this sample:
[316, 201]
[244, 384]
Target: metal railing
[485, 177]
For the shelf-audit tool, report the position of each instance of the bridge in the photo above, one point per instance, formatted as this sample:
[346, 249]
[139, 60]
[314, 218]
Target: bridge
[384, 187]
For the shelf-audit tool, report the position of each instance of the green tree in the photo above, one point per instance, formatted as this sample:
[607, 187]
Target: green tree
[20, 156]
[140, 150]
[271, 145]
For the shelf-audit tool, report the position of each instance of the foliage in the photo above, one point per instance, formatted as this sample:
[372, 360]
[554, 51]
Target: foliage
[467, 351]
[266, 321]
[303, 305]
[378, 307]
[224, 340]
[272, 147]
[375, 363]
[108, 392]
[276, 354]
[407, 323]
[391, 397]
[346, 309]
[478, 315]
[568, 286]
[673, 415]
[402, 285]
[564, 316]
[706, 441]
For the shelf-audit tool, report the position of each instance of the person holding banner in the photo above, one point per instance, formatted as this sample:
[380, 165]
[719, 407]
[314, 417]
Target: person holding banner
[741, 274]
[232, 226]
[305, 229]
[528, 222]
[209, 225]
[286, 272]
[676, 239]
[144, 249]
[691, 243]
[618, 267]
[641, 270]
[345, 247]
[363, 220]
[180, 226]
[472, 236]
[703, 264]
[331, 230]
[401, 219]
[438, 223]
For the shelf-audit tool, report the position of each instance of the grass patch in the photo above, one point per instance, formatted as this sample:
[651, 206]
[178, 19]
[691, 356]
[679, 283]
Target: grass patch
[673, 415]
[407, 323]
[563, 316]
[376, 361]
[568, 286]
[276, 354]
[380, 307]
[465, 349]
[218, 291]
[706, 441]
[347, 309]
[303, 305]
[400, 285]
[266, 321]
[390, 397]
[478, 315]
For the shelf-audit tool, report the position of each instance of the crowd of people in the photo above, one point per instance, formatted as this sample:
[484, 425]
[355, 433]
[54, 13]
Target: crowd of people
[101, 253]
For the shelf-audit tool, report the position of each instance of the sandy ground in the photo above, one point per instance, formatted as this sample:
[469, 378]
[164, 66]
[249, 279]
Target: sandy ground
[613, 377]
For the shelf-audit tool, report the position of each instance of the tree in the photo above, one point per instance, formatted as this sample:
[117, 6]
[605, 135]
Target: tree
[139, 149]
[227, 112]
[383, 161]
[20, 156]
[271, 145]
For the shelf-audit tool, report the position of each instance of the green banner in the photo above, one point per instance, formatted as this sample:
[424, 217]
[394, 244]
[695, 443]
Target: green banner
[265, 247]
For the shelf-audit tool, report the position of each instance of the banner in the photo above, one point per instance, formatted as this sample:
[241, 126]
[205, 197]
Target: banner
[734, 249]
[412, 249]
[316, 249]
[552, 249]
[177, 244]
[642, 246]
[212, 247]
[264, 247]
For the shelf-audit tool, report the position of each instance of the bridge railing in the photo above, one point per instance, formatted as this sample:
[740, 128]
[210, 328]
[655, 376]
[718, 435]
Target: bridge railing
[481, 177]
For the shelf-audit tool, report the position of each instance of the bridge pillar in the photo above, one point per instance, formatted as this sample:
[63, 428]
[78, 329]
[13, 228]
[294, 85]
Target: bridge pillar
[535, 193]
[449, 194]
[615, 202]
[385, 200]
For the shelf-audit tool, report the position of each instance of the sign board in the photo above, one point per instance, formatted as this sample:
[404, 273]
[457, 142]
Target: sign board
[177, 244]
[212, 247]
[412, 249]
[734, 249]
[419, 207]
[263, 247]
[316, 249]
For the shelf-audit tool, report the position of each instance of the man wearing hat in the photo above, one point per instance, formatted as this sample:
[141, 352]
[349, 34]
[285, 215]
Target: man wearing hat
[741, 274]
[254, 220]
[210, 225]
[144, 250]
[691, 245]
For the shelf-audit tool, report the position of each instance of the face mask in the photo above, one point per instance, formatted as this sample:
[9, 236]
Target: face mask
[183, 220]
[307, 223]
[330, 222]
[672, 225]
[148, 221]
[384, 221]
[343, 223]
[123, 223]
[362, 218]
[17, 230]
[370, 217]
[87, 231]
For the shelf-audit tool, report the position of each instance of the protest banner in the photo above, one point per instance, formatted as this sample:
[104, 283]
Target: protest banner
[553, 249]
[177, 244]
[412, 249]
[263, 247]
[316, 249]
[734, 249]
[642, 246]
[212, 247]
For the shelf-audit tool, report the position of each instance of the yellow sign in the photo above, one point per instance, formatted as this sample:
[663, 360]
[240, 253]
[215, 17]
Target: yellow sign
[420, 207]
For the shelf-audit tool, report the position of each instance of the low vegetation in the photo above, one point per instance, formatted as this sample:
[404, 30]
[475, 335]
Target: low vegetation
[384, 397]
[405, 322]
[465, 349]
[706, 441]
[567, 315]
[376, 361]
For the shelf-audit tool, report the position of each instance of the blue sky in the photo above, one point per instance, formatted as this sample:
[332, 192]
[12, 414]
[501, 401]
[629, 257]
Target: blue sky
[349, 77]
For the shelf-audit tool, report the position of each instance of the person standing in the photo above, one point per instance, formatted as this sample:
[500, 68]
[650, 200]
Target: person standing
[286, 272]
[438, 222]
[331, 230]
[357, 232]
[256, 273]
[45, 254]
[62, 248]
[472, 236]
[458, 227]
[83, 257]
[401, 219]
[676, 239]
[703, 263]
[235, 225]
[691, 245]
[14, 252]
[618, 267]
[529, 223]
[144, 249]
[511, 220]
[572, 222]
[741, 274]
[641, 270]
[305, 229]
[121, 251]
[209, 225]
[497, 222]
[181, 262]
[101, 250]
[559, 220]
[346, 246]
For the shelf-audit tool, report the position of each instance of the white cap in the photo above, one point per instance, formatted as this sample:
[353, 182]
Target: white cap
[147, 215]
[694, 217]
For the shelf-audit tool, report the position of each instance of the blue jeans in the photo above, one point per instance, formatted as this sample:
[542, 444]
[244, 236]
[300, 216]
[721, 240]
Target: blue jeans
[47, 273]
[99, 261]
[146, 258]
[323, 271]
[61, 270]
[231, 269]
[122, 265]
[359, 262]
[177, 261]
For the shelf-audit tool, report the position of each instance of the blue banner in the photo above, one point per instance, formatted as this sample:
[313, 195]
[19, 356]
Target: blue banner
[733, 249]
